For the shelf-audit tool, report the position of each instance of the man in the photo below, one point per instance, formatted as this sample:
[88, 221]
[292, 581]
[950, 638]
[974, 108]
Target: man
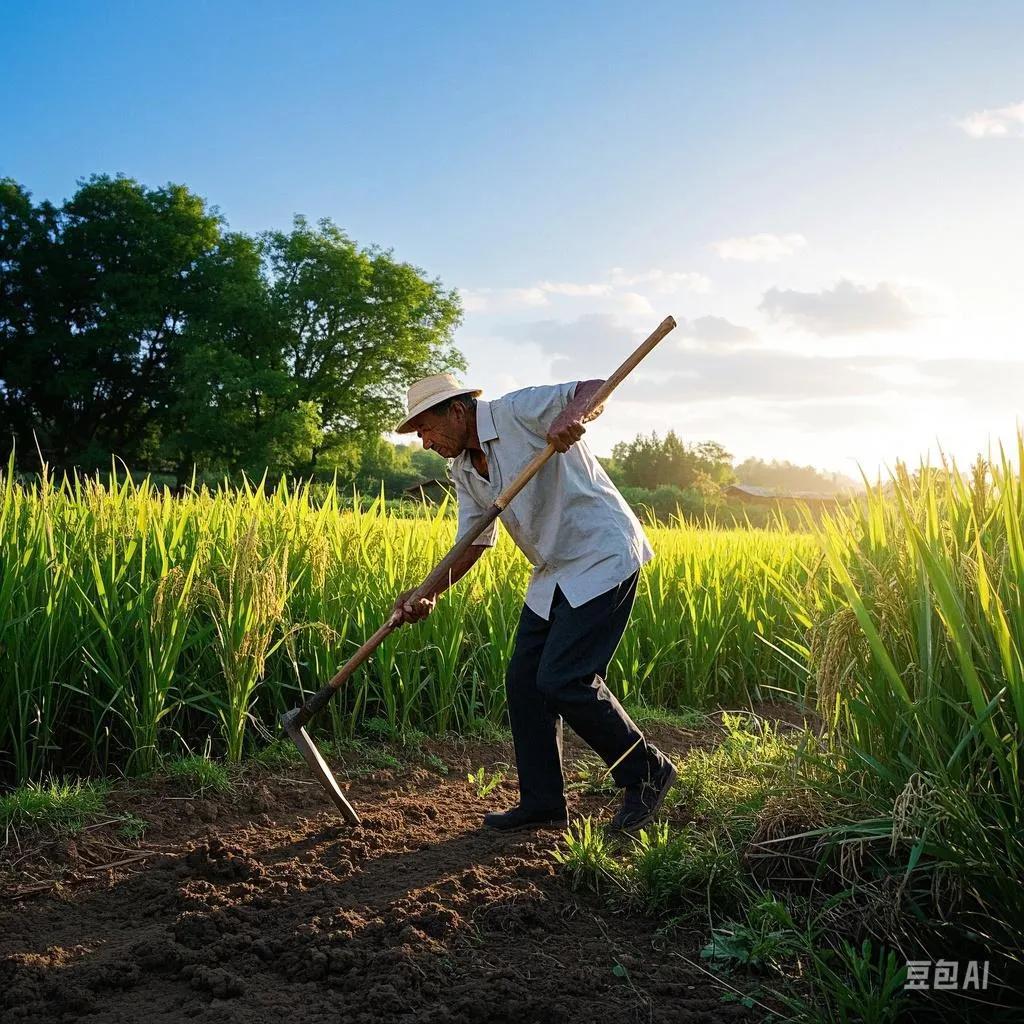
[586, 547]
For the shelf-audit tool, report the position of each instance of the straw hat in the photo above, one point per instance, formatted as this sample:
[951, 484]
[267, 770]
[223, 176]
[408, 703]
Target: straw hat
[429, 392]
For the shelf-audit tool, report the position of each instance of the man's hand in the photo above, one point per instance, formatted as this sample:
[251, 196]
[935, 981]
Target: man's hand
[567, 427]
[407, 610]
[566, 430]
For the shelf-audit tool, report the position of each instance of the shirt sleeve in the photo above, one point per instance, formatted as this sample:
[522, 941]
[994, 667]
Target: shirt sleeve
[536, 408]
[470, 514]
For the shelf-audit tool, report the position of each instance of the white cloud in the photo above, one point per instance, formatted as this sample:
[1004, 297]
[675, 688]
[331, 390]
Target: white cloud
[845, 308]
[716, 330]
[761, 248]
[665, 282]
[496, 300]
[618, 284]
[998, 123]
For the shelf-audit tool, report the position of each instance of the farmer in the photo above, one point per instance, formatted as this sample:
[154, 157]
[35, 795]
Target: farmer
[586, 547]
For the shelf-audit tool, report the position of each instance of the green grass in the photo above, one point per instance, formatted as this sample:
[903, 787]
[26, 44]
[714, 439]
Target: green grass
[851, 985]
[59, 805]
[277, 755]
[132, 827]
[587, 857]
[434, 763]
[689, 872]
[679, 718]
[199, 776]
[590, 777]
[732, 782]
[363, 756]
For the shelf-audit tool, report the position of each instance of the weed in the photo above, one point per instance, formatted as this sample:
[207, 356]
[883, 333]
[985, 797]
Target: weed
[591, 778]
[132, 827]
[434, 763]
[59, 805]
[851, 985]
[688, 870]
[764, 941]
[279, 754]
[679, 718]
[199, 775]
[586, 857]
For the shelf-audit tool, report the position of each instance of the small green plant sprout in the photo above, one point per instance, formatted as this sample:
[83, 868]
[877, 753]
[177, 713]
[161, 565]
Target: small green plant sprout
[592, 779]
[60, 805]
[586, 858]
[484, 784]
[199, 775]
[434, 763]
[764, 941]
[132, 827]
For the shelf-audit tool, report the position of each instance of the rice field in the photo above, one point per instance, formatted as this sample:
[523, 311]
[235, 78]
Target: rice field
[137, 625]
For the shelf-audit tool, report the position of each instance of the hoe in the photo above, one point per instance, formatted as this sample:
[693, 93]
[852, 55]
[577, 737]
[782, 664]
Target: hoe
[295, 721]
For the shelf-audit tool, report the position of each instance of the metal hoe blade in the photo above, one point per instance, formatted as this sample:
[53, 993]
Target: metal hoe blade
[319, 768]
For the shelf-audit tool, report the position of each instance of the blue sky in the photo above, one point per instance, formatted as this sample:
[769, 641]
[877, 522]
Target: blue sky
[827, 196]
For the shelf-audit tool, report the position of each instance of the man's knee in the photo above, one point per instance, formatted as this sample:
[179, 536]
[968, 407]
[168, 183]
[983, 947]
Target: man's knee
[559, 685]
[520, 674]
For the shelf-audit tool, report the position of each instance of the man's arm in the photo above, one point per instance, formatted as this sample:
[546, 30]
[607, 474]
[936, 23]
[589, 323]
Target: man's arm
[567, 427]
[413, 612]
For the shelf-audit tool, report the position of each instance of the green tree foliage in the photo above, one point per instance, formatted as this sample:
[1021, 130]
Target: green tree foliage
[97, 296]
[650, 462]
[356, 327]
[132, 323]
[394, 467]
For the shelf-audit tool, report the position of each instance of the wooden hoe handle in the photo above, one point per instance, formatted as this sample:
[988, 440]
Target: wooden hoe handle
[440, 572]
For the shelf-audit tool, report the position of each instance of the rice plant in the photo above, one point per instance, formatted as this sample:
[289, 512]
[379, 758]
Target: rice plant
[136, 625]
[921, 681]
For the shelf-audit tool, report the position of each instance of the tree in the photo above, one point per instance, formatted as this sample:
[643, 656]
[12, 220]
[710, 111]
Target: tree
[96, 298]
[133, 324]
[651, 463]
[356, 328]
[236, 405]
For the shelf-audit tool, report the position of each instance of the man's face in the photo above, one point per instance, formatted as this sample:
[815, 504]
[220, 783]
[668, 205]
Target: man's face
[445, 433]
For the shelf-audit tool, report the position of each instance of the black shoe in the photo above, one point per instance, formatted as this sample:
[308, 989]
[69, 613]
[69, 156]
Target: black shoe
[642, 800]
[517, 818]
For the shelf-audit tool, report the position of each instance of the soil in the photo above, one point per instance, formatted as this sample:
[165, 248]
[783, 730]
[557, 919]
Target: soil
[263, 906]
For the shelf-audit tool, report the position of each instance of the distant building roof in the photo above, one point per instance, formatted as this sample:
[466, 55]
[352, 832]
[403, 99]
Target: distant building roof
[748, 492]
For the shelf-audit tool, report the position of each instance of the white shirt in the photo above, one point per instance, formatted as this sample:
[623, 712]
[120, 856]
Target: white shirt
[570, 520]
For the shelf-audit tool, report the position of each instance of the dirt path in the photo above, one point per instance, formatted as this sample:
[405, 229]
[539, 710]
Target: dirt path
[272, 910]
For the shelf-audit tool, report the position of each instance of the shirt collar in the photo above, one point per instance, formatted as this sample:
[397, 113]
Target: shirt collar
[484, 431]
[484, 421]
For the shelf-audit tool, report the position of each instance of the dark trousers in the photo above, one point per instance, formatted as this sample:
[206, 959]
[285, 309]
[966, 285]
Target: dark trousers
[557, 672]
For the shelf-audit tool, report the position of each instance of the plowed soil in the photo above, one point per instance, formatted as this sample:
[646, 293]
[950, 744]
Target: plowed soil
[263, 906]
